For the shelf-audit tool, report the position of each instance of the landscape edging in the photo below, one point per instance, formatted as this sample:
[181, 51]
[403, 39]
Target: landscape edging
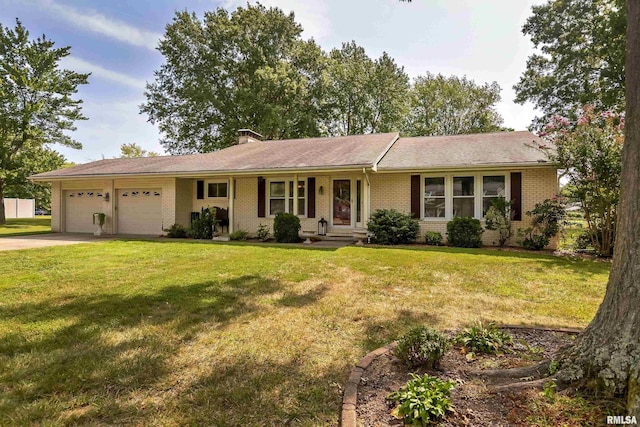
[348, 417]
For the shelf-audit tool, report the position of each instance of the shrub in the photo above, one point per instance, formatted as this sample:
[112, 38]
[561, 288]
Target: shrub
[176, 231]
[423, 400]
[286, 227]
[390, 227]
[239, 235]
[464, 232]
[422, 346]
[480, 339]
[263, 232]
[433, 238]
[547, 219]
[202, 227]
[498, 217]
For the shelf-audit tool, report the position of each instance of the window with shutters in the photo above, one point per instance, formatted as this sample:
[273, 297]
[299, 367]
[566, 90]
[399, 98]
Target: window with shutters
[281, 194]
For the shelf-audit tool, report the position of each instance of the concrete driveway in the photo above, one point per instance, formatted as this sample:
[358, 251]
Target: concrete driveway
[44, 240]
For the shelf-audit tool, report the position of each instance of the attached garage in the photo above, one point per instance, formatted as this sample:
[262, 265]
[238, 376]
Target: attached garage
[139, 211]
[80, 205]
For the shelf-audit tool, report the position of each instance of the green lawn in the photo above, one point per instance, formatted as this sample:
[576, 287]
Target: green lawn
[166, 333]
[23, 226]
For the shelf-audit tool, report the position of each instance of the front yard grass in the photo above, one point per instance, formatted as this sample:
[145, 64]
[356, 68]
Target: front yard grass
[24, 226]
[168, 333]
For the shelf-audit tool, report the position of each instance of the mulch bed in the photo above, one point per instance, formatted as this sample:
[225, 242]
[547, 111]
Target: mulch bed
[475, 403]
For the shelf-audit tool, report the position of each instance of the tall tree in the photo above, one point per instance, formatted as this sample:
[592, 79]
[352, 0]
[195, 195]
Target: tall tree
[581, 58]
[609, 349]
[36, 105]
[442, 105]
[363, 95]
[249, 68]
[134, 150]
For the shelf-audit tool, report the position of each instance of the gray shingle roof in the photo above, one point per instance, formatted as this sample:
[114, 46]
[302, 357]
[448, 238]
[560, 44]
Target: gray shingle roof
[487, 149]
[309, 153]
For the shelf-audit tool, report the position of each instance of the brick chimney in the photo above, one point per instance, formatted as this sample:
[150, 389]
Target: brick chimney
[247, 135]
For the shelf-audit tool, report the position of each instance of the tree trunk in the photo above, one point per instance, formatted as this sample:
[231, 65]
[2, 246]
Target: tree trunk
[608, 352]
[3, 218]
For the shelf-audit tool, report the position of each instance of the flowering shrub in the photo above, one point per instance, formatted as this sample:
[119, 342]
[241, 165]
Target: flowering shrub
[590, 153]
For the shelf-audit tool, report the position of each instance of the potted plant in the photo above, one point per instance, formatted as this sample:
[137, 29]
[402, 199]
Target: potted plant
[99, 220]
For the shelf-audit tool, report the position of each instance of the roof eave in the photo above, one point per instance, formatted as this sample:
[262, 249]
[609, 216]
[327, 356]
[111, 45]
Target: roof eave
[483, 166]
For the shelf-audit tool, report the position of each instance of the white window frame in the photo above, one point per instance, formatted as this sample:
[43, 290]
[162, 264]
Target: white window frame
[478, 195]
[216, 181]
[287, 194]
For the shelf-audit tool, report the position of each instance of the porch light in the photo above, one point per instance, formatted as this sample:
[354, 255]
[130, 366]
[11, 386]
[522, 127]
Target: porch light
[322, 227]
[321, 190]
[106, 197]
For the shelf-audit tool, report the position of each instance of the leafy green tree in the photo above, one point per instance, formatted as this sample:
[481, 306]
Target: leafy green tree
[590, 153]
[249, 68]
[581, 57]
[363, 95]
[442, 105]
[36, 105]
[133, 150]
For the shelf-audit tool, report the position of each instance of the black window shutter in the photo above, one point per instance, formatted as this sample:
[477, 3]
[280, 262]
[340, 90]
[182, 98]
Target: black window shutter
[516, 195]
[415, 196]
[262, 186]
[311, 197]
[200, 190]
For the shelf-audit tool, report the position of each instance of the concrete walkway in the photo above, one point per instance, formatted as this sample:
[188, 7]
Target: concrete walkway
[44, 240]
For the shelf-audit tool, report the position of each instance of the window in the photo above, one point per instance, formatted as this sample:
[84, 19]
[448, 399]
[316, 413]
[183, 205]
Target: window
[463, 196]
[217, 189]
[492, 188]
[434, 197]
[282, 195]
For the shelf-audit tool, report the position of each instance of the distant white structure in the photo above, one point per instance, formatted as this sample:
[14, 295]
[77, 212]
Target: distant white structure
[19, 208]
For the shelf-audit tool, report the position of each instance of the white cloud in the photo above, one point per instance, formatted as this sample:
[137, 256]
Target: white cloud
[313, 16]
[97, 23]
[81, 66]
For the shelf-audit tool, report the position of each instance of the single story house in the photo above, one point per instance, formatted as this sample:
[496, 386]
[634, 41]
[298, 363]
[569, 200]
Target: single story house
[341, 179]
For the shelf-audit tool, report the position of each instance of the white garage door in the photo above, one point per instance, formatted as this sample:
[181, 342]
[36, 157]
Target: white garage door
[140, 211]
[80, 205]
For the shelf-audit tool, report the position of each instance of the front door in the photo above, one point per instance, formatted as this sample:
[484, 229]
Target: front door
[342, 202]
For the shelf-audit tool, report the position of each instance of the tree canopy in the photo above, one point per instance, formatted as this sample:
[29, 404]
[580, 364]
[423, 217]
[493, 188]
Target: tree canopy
[36, 106]
[580, 60]
[133, 150]
[251, 69]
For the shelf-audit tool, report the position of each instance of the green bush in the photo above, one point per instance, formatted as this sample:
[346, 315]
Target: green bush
[286, 227]
[202, 227]
[390, 227]
[480, 339]
[433, 238]
[422, 346]
[239, 235]
[464, 232]
[423, 400]
[547, 219]
[263, 232]
[176, 231]
[498, 218]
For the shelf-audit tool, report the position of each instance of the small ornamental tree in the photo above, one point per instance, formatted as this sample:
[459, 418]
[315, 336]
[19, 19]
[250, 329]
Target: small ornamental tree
[590, 153]
[498, 218]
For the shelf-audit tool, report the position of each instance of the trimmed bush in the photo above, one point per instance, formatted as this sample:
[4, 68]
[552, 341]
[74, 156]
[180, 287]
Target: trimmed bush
[423, 400]
[239, 235]
[422, 346]
[286, 227]
[547, 220]
[177, 231]
[464, 232]
[433, 238]
[498, 218]
[202, 227]
[390, 227]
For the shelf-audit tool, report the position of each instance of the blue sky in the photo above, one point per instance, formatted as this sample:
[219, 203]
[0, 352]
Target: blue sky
[116, 40]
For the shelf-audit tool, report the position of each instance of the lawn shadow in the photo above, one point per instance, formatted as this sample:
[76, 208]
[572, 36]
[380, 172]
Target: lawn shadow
[312, 296]
[99, 345]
